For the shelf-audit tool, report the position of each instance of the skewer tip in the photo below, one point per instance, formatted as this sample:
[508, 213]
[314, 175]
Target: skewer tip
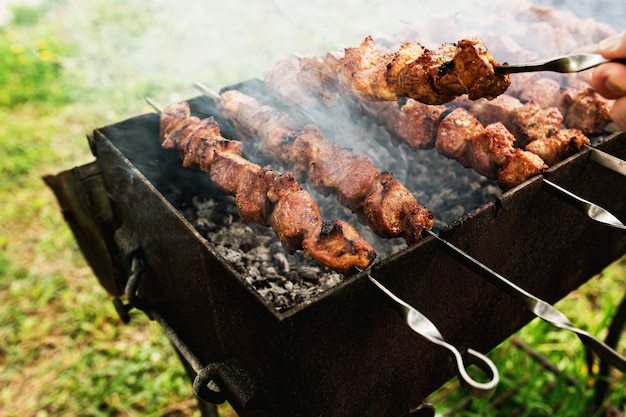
[154, 105]
[206, 90]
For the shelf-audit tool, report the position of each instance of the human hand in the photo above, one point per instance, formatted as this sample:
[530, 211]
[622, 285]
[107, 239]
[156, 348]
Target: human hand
[610, 79]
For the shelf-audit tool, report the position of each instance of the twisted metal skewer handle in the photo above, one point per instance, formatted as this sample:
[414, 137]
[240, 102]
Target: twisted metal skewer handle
[425, 328]
[537, 306]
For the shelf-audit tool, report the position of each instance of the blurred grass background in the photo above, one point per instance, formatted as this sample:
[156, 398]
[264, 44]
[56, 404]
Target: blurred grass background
[63, 350]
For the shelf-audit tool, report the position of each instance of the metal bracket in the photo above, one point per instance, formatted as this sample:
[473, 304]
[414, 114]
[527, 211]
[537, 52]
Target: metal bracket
[216, 382]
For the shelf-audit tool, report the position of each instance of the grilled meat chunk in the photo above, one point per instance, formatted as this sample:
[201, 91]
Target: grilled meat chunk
[455, 133]
[412, 123]
[518, 167]
[558, 146]
[295, 211]
[391, 211]
[531, 122]
[488, 150]
[262, 195]
[431, 76]
[337, 243]
[351, 176]
[586, 110]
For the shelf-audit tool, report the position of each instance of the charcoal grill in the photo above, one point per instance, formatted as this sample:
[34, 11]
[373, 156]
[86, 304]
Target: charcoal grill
[346, 351]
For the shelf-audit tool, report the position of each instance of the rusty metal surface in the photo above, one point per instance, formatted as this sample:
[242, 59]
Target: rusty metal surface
[348, 352]
[82, 195]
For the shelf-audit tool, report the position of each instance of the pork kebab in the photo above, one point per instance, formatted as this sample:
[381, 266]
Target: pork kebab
[263, 195]
[503, 151]
[379, 200]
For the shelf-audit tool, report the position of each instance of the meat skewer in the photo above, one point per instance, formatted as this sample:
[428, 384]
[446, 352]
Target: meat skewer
[416, 124]
[376, 197]
[488, 150]
[431, 76]
[263, 195]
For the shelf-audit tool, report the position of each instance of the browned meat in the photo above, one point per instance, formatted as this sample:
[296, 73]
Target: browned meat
[531, 122]
[519, 167]
[264, 196]
[294, 214]
[413, 123]
[586, 110]
[171, 122]
[391, 211]
[352, 177]
[544, 91]
[489, 149]
[253, 204]
[501, 109]
[558, 146]
[455, 133]
[337, 243]
[364, 72]
[431, 76]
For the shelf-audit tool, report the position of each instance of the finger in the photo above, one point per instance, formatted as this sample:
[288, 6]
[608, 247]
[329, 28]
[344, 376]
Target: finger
[613, 46]
[610, 80]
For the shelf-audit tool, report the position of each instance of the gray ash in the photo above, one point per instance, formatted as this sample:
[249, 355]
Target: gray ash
[254, 251]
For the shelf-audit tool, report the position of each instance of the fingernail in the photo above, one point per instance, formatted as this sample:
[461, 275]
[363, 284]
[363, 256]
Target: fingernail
[616, 87]
[610, 44]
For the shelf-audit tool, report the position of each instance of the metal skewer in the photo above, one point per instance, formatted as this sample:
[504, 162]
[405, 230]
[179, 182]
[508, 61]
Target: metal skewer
[206, 90]
[425, 328]
[154, 105]
[607, 160]
[594, 211]
[540, 308]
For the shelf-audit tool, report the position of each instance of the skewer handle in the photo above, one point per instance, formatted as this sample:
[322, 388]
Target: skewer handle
[607, 160]
[537, 306]
[421, 325]
[592, 210]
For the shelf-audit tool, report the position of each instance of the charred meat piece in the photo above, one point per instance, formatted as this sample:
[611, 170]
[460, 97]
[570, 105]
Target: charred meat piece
[536, 129]
[412, 123]
[531, 122]
[431, 76]
[294, 213]
[558, 146]
[262, 195]
[519, 167]
[544, 91]
[351, 176]
[488, 150]
[337, 243]
[391, 211]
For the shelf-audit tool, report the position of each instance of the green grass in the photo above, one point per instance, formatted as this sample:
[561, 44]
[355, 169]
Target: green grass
[63, 351]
